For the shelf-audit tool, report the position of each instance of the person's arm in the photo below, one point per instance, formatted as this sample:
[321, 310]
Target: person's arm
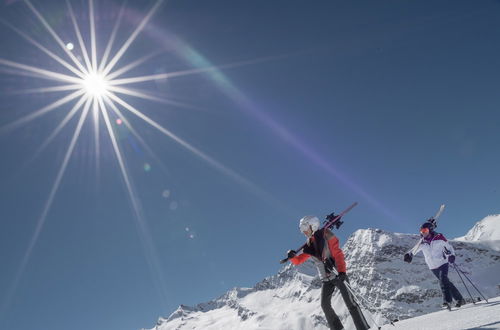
[335, 251]
[447, 248]
[408, 257]
[419, 247]
[299, 259]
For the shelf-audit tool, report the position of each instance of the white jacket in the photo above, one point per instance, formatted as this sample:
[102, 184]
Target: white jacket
[436, 251]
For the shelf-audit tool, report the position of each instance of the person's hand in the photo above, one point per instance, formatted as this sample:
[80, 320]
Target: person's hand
[451, 259]
[407, 258]
[342, 276]
[291, 254]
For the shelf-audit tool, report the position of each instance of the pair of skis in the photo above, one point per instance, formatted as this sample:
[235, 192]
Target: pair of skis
[433, 221]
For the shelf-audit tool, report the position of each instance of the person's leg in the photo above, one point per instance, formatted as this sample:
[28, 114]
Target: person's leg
[326, 304]
[435, 271]
[451, 287]
[445, 283]
[438, 272]
[456, 294]
[353, 307]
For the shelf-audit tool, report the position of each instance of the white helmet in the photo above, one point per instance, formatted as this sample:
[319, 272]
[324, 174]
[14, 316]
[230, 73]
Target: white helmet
[309, 222]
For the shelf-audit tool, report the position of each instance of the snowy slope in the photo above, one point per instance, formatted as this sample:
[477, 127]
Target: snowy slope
[480, 316]
[290, 299]
[485, 230]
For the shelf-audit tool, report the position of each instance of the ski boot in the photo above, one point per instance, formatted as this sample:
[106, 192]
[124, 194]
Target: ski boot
[459, 303]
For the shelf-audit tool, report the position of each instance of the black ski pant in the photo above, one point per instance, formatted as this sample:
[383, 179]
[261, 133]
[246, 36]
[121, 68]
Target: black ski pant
[447, 287]
[326, 304]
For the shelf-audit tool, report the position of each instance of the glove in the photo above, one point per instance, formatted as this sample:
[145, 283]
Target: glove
[291, 254]
[342, 276]
[451, 259]
[407, 258]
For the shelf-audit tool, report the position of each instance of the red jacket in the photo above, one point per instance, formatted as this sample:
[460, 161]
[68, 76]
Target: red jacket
[334, 249]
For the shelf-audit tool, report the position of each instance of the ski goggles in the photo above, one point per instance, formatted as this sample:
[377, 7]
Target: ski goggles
[424, 230]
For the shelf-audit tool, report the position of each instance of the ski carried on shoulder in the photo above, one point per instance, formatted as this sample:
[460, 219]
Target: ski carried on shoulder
[433, 221]
[331, 221]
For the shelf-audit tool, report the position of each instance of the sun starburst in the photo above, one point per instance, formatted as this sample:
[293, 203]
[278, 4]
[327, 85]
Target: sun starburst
[94, 84]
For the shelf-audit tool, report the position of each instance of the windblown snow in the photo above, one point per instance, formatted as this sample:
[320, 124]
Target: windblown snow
[388, 289]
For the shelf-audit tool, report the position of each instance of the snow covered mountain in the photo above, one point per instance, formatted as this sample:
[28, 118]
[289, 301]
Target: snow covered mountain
[393, 288]
[487, 229]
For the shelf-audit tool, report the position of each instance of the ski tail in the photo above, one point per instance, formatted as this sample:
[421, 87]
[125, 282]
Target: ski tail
[434, 219]
[438, 214]
[334, 220]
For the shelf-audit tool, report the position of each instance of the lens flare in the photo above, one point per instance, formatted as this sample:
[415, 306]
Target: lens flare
[89, 81]
[95, 84]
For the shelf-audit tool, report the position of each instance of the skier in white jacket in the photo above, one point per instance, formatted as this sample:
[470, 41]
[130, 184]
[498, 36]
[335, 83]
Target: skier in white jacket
[438, 253]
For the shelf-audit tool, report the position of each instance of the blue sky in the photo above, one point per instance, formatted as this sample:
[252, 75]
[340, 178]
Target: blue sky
[393, 104]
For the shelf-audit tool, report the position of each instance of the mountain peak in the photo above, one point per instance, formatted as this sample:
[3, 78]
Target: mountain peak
[487, 229]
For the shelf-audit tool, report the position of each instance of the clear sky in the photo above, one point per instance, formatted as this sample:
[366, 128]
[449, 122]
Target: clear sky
[276, 109]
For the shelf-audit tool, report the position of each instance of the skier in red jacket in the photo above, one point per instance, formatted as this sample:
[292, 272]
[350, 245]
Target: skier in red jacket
[323, 247]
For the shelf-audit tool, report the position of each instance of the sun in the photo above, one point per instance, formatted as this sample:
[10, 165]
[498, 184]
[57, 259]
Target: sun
[92, 85]
[95, 84]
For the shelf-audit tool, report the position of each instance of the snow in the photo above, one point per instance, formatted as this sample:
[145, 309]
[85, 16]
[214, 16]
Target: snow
[487, 229]
[394, 289]
[468, 317]
[406, 289]
[383, 240]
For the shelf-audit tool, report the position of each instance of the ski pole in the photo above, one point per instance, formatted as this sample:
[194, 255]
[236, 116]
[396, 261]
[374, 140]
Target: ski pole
[358, 301]
[468, 279]
[455, 266]
[328, 224]
[359, 297]
[369, 303]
